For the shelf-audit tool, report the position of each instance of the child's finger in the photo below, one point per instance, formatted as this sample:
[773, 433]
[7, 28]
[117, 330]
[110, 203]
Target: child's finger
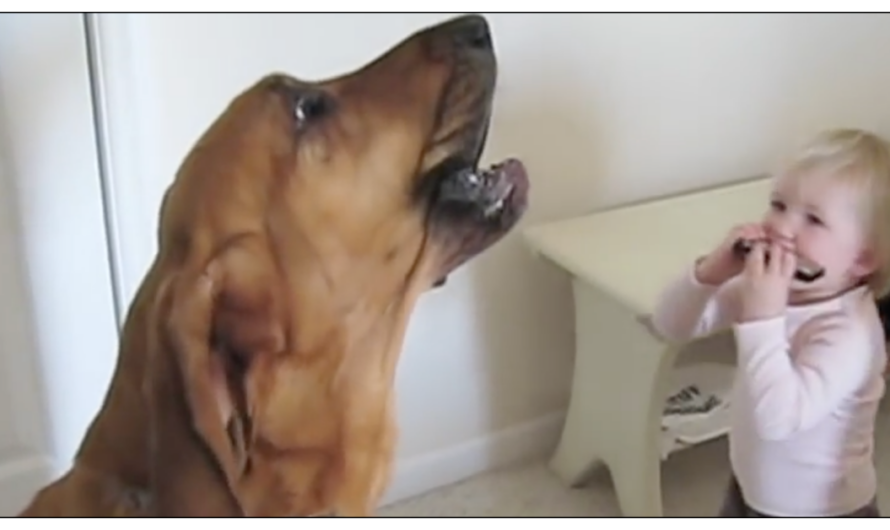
[756, 258]
[776, 252]
[789, 264]
[753, 232]
[787, 244]
[758, 231]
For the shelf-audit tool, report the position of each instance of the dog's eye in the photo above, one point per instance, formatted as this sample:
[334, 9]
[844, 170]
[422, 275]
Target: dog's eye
[311, 106]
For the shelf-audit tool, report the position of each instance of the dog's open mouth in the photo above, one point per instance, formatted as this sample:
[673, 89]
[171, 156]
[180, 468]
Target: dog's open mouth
[472, 208]
[497, 195]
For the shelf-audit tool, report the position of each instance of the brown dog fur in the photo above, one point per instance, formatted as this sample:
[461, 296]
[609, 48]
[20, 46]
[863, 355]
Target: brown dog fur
[256, 366]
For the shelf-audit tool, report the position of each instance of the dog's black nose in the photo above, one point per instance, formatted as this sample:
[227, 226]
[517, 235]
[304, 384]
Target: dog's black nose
[472, 31]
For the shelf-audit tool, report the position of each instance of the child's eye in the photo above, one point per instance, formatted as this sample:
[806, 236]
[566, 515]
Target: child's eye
[814, 219]
[777, 205]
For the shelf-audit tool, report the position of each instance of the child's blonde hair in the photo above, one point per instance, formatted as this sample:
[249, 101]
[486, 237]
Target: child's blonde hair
[861, 159]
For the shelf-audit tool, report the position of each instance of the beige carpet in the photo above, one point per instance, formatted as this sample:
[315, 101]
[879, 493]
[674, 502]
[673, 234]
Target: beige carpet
[692, 485]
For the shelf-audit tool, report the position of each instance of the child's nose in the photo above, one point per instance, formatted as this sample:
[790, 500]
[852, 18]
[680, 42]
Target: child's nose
[781, 229]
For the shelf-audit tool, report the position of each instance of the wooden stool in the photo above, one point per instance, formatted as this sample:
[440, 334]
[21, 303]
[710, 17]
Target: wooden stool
[619, 261]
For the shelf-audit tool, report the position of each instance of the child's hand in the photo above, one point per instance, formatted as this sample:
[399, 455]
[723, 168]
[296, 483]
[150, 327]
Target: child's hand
[722, 264]
[765, 286]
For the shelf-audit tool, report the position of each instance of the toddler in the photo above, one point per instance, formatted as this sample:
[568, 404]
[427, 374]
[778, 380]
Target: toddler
[810, 355]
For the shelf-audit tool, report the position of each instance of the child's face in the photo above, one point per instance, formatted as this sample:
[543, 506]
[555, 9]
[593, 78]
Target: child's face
[821, 218]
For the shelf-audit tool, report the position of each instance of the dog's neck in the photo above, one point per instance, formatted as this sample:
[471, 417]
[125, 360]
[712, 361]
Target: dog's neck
[343, 301]
[350, 316]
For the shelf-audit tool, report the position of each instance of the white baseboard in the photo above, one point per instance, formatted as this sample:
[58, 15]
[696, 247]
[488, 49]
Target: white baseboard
[423, 473]
[19, 480]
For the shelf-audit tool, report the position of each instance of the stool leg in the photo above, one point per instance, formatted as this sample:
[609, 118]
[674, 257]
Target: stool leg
[635, 467]
[638, 486]
[575, 457]
[619, 383]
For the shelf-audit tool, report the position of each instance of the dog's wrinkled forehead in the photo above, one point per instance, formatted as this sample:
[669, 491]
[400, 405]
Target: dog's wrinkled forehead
[425, 81]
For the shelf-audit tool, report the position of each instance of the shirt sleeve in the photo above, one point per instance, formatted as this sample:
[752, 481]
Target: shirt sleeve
[792, 391]
[689, 309]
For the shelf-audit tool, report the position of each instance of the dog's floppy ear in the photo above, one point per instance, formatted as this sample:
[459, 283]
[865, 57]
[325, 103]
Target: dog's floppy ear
[219, 320]
[204, 376]
[192, 467]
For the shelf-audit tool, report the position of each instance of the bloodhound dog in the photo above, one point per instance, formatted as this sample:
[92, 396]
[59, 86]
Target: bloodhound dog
[256, 367]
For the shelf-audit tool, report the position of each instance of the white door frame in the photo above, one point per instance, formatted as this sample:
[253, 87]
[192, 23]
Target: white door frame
[58, 325]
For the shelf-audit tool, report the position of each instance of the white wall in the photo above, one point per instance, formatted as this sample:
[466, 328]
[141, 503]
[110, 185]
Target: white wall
[58, 324]
[604, 109]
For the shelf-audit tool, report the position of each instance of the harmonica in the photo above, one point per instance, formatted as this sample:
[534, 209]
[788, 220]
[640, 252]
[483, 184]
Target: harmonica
[806, 272]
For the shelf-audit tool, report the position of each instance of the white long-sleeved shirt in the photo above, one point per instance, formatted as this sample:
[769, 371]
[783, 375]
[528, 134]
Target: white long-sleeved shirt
[805, 397]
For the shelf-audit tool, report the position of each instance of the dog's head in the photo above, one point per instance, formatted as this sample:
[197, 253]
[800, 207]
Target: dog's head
[378, 167]
[363, 191]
